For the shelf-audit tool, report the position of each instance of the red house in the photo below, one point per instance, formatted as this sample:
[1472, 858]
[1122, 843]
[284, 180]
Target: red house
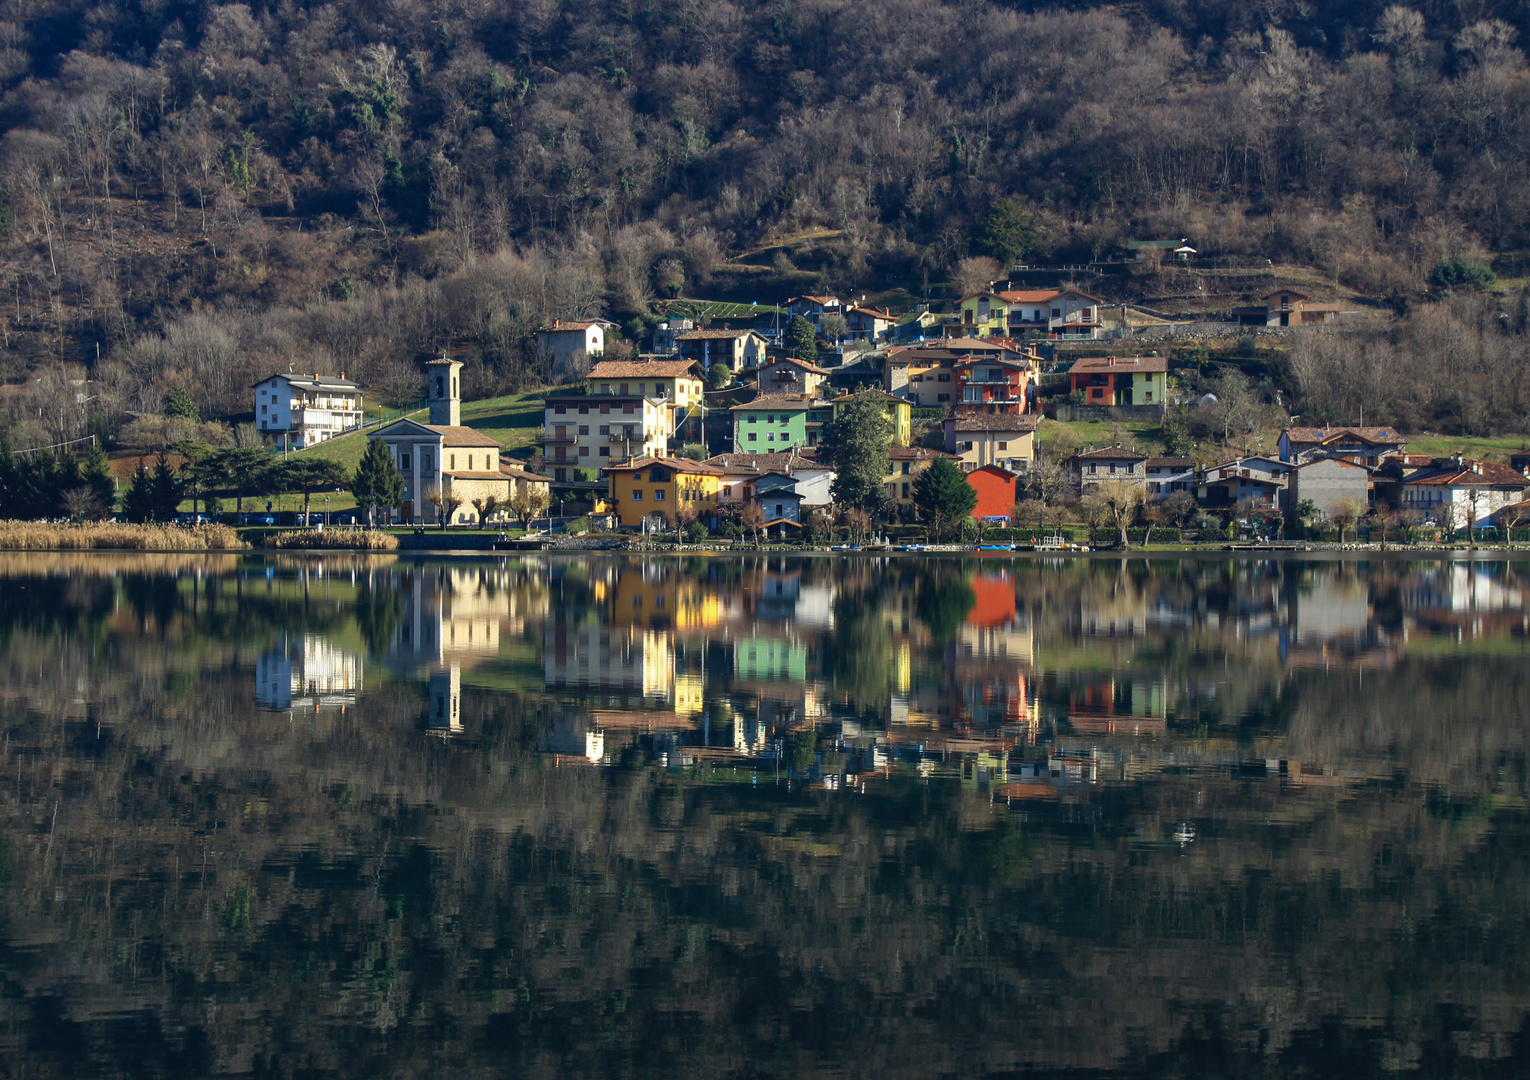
[996, 492]
[992, 386]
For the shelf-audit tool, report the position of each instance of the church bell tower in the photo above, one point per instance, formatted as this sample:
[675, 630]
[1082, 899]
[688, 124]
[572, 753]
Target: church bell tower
[443, 378]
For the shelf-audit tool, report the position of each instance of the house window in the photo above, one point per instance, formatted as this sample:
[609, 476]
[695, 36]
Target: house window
[560, 409]
[584, 451]
[1093, 468]
[1056, 313]
[753, 419]
[786, 418]
[778, 510]
[605, 451]
[752, 436]
[470, 463]
[728, 491]
[919, 378]
[1153, 486]
[627, 409]
[657, 476]
[658, 496]
[605, 429]
[1004, 446]
[942, 397]
[605, 410]
[905, 491]
[624, 389]
[945, 378]
[584, 429]
[637, 496]
[262, 410]
[771, 437]
[1147, 397]
[905, 468]
[584, 410]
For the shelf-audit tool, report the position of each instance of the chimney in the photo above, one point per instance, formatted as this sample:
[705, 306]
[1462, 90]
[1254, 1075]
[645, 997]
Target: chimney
[1110, 361]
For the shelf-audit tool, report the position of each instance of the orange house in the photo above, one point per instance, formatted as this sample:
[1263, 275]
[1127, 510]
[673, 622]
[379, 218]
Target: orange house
[996, 492]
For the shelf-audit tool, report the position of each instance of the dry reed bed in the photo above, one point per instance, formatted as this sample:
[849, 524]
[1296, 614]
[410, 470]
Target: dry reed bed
[330, 540]
[107, 536]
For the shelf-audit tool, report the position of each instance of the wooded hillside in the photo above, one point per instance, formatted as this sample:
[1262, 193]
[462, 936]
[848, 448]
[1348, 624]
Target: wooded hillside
[202, 192]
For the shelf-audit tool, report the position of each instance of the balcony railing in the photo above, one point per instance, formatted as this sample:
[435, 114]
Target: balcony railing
[633, 436]
[554, 439]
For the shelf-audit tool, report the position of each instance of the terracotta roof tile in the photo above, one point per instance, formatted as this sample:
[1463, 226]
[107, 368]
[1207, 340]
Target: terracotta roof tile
[1119, 364]
[641, 369]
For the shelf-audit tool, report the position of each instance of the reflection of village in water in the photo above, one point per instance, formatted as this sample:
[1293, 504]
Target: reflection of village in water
[1021, 679]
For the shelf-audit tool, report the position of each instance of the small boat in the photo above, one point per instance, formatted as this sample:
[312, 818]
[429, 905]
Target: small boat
[996, 547]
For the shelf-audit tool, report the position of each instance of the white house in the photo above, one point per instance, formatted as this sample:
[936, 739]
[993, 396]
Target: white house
[565, 340]
[305, 409]
[1457, 492]
[814, 478]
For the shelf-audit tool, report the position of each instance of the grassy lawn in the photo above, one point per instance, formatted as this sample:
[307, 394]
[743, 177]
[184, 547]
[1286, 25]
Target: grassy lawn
[514, 420]
[1067, 438]
[1493, 448]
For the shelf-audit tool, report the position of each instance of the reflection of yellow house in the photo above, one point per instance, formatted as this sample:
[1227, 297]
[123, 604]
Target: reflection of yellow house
[689, 693]
[661, 486]
[671, 601]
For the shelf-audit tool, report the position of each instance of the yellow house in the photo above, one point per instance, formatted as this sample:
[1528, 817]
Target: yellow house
[984, 314]
[653, 488]
[676, 381]
[899, 411]
[906, 463]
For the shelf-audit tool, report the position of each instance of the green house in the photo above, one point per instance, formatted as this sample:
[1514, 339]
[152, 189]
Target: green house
[769, 424]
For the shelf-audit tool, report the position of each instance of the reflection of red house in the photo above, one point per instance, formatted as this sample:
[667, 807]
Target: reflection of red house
[995, 489]
[994, 601]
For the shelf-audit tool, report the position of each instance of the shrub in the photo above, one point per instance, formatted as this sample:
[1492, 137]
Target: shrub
[1461, 273]
[696, 532]
[109, 536]
[355, 540]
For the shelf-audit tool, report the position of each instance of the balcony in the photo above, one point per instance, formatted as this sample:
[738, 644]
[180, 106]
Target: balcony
[554, 440]
[636, 436]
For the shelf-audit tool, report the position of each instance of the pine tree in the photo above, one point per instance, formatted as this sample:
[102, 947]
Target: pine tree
[179, 404]
[943, 496]
[377, 481]
[165, 491]
[138, 499]
[801, 340]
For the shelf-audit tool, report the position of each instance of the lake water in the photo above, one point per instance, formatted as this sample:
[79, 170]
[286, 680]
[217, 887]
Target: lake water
[763, 817]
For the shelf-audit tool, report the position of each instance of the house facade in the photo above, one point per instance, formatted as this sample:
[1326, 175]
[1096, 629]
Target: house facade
[1457, 492]
[1254, 481]
[790, 376]
[1066, 313]
[1110, 381]
[814, 479]
[589, 431]
[1002, 440]
[740, 350]
[814, 308]
[650, 490]
[1166, 475]
[899, 413]
[997, 492]
[1092, 468]
[676, 381]
[306, 410]
[770, 424]
[565, 340]
[993, 386]
[1328, 484]
[869, 324]
[1368, 446]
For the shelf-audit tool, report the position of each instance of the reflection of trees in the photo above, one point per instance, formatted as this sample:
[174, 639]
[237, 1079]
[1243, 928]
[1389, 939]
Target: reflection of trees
[945, 598]
[379, 612]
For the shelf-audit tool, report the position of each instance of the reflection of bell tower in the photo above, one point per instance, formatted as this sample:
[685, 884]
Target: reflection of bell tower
[445, 717]
[442, 379]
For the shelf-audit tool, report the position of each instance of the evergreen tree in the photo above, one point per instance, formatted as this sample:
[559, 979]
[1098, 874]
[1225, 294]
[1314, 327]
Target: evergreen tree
[180, 405]
[97, 477]
[1007, 232]
[307, 474]
[856, 442]
[138, 499]
[943, 496]
[801, 340]
[243, 470]
[377, 481]
[165, 491]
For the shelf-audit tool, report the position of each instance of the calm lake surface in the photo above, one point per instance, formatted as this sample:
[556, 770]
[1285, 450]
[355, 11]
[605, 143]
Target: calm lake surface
[763, 817]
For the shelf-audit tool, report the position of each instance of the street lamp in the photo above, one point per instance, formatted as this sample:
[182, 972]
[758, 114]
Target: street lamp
[326, 511]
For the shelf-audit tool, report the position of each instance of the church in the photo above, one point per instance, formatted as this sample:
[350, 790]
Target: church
[443, 456]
